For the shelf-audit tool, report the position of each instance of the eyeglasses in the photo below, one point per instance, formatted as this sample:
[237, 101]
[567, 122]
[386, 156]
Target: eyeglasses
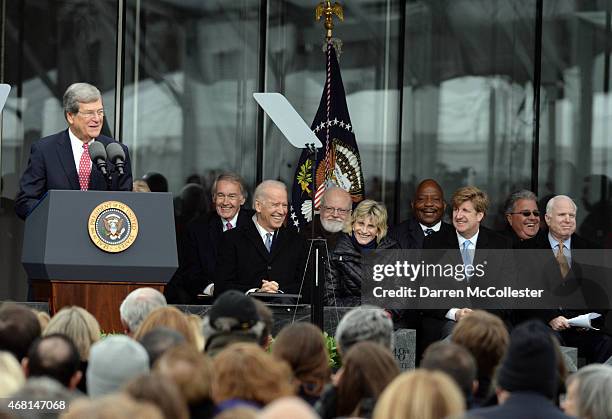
[340, 211]
[535, 213]
[91, 114]
[232, 197]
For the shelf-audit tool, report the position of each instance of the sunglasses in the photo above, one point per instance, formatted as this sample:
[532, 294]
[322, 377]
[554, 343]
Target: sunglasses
[535, 213]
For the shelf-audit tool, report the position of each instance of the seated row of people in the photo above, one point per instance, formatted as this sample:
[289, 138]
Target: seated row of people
[255, 251]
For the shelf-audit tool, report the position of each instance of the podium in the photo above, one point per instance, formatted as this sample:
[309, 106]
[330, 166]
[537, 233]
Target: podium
[93, 248]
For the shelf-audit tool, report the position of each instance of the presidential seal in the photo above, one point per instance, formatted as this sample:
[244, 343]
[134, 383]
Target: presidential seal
[112, 226]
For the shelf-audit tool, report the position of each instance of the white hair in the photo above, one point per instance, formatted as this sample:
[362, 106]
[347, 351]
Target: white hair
[260, 190]
[138, 304]
[553, 201]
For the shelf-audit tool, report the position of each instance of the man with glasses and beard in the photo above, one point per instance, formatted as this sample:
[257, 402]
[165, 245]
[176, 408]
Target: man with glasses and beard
[336, 206]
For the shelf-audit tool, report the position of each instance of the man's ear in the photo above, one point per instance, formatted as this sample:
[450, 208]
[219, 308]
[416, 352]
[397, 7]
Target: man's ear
[75, 380]
[25, 366]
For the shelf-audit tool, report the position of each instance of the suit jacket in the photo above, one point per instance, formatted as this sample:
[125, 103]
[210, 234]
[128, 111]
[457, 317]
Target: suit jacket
[51, 166]
[409, 233]
[199, 249]
[582, 285]
[244, 261]
[524, 405]
[499, 265]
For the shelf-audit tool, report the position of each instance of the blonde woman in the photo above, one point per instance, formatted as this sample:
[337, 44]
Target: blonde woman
[420, 394]
[82, 328]
[366, 231]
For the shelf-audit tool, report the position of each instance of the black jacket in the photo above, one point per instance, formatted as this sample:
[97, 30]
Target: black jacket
[409, 234]
[346, 270]
[524, 405]
[244, 261]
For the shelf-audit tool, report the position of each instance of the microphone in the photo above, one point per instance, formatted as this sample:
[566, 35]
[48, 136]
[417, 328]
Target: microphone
[98, 156]
[116, 156]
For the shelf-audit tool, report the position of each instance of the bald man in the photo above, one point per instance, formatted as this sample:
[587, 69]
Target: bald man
[428, 208]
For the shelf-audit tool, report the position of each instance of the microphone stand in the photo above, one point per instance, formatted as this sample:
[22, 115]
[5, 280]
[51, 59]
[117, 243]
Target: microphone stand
[319, 246]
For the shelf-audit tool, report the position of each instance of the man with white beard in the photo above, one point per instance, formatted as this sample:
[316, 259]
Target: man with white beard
[336, 206]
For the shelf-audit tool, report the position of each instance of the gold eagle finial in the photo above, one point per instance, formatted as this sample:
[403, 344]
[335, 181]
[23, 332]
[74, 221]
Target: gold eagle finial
[326, 8]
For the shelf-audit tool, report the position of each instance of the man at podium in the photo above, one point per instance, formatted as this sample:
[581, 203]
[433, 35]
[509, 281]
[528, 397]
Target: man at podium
[62, 161]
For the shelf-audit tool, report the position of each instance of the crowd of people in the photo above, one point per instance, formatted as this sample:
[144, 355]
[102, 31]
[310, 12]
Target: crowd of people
[169, 364]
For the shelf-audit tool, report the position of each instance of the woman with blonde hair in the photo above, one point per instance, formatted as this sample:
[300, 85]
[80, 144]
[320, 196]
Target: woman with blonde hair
[11, 374]
[366, 231]
[420, 394]
[82, 328]
[245, 375]
[170, 317]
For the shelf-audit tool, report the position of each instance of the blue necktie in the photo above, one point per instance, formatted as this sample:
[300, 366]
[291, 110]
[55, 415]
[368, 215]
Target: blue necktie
[466, 253]
[429, 231]
[268, 241]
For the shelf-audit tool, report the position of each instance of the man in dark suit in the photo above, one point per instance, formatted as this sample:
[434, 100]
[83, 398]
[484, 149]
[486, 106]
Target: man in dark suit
[61, 161]
[200, 246]
[428, 209]
[562, 270]
[469, 243]
[523, 218]
[263, 255]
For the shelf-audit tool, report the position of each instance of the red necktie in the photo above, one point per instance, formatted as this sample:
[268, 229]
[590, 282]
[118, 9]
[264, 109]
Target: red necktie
[84, 168]
[228, 226]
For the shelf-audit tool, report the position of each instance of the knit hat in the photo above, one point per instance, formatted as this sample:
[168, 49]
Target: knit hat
[113, 361]
[530, 363]
[233, 310]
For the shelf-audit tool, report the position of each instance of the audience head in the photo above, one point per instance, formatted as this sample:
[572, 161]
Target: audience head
[54, 356]
[530, 363]
[140, 185]
[288, 407]
[428, 205]
[420, 394]
[19, 327]
[365, 323]
[232, 318]
[113, 406]
[43, 388]
[267, 317]
[170, 317]
[239, 412]
[228, 195]
[157, 341]
[164, 394]
[113, 361]
[522, 214]
[79, 325]
[469, 208]
[43, 319]
[11, 374]
[367, 369]
[368, 222]
[190, 370]
[310, 363]
[270, 204]
[195, 323]
[137, 306]
[156, 181]
[486, 337]
[238, 375]
[561, 217]
[588, 393]
[336, 206]
[454, 360]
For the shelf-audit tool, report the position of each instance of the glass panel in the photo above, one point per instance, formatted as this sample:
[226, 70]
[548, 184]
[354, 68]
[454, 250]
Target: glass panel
[575, 146]
[468, 98]
[49, 45]
[368, 63]
[191, 68]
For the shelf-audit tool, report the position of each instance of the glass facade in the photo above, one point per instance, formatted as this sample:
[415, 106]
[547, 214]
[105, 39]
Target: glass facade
[502, 94]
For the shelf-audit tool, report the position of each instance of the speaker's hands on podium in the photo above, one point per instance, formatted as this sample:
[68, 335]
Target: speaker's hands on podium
[268, 286]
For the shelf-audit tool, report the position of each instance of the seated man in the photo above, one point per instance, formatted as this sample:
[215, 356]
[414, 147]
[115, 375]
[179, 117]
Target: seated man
[54, 356]
[336, 207]
[523, 218]
[564, 269]
[263, 255]
[200, 246]
[428, 208]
